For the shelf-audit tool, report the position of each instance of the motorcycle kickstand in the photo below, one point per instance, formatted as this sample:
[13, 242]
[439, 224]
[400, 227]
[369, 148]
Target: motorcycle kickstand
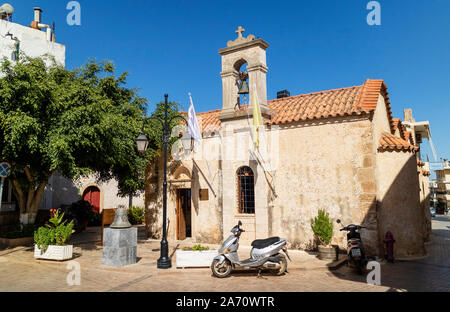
[259, 273]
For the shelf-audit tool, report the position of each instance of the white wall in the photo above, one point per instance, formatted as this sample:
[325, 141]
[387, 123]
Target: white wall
[33, 42]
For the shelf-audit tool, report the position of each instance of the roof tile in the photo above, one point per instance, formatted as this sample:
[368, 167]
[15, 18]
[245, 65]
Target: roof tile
[388, 141]
[348, 101]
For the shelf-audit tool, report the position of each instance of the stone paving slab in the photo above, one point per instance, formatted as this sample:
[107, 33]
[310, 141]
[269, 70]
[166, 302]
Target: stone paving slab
[19, 271]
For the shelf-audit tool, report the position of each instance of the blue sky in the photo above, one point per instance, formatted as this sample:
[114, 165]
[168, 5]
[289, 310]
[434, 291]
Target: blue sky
[171, 47]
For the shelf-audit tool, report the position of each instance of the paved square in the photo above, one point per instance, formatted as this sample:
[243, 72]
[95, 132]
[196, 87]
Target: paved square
[19, 271]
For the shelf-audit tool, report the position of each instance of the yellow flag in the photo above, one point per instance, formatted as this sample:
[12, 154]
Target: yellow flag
[257, 118]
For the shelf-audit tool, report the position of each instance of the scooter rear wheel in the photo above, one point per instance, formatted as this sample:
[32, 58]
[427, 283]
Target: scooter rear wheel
[283, 263]
[221, 270]
[359, 267]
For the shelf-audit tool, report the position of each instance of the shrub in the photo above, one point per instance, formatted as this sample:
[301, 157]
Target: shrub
[20, 231]
[196, 248]
[80, 212]
[322, 227]
[136, 215]
[95, 220]
[57, 232]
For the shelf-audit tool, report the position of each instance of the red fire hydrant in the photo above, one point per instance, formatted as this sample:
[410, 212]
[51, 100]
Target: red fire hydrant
[389, 241]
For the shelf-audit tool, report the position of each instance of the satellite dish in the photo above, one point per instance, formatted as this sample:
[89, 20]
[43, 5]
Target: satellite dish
[6, 9]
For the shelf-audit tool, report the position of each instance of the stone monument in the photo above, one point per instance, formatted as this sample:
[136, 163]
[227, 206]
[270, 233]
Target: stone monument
[120, 241]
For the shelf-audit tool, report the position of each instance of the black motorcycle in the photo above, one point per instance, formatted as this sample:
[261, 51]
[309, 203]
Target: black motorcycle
[355, 249]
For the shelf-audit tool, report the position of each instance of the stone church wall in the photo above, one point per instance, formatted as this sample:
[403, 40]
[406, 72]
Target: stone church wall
[206, 213]
[400, 210]
[325, 165]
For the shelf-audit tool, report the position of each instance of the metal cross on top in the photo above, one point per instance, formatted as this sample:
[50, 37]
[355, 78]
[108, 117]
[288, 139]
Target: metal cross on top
[239, 31]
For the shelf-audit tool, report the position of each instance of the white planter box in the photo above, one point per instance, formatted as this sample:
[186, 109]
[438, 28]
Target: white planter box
[195, 259]
[54, 252]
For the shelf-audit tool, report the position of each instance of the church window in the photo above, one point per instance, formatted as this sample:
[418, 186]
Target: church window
[246, 190]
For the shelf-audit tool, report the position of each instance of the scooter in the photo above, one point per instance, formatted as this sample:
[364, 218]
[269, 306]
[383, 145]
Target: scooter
[355, 249]
[264, 255]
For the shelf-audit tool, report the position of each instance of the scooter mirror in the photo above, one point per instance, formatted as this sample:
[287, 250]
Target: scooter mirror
[240, 223]
[338, 221]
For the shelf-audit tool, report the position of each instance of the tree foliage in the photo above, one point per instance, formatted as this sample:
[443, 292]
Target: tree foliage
[323, 227]
[74, 122]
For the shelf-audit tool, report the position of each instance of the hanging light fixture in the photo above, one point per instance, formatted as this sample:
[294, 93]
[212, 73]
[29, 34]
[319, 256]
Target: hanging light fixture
[186, 141]
[142, 143]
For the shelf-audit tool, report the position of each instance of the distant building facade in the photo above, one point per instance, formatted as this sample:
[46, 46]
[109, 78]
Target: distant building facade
[38, 40]
[16, 39]
[443, 189]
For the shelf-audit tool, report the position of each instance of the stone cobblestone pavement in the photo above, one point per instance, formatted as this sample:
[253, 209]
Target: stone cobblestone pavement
[19, 271]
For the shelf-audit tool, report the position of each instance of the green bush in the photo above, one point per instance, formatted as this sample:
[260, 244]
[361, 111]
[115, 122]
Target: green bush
[136, 215]
[323, 227]
[196, 248]
[57, 232]
[95, 220]
[80, 212]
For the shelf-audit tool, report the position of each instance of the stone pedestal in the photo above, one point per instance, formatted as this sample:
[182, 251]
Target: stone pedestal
[119, 247]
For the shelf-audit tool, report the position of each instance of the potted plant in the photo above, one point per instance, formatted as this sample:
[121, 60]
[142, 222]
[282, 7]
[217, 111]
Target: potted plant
[50, 240]
[323, 230]
[195, 257]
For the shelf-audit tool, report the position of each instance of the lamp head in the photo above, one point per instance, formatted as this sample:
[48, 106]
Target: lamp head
[142, 143]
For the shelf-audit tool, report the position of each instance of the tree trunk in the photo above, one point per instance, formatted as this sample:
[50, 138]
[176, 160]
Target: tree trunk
[30, 199]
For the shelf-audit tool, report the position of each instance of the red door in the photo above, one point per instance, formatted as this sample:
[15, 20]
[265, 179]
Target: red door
[92, 195]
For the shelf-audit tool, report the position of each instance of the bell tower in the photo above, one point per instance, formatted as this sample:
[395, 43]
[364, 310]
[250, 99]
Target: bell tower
[243, 51]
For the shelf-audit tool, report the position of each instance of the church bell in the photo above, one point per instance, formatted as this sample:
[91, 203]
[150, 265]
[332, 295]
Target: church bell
[121, 219]
[243, 88]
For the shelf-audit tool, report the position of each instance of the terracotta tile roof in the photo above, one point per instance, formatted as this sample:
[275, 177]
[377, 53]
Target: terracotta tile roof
[425, 172]
[388, 141]
[397, 124]
[348, 101]
[332, 103]
[209, 120]
[408, 137]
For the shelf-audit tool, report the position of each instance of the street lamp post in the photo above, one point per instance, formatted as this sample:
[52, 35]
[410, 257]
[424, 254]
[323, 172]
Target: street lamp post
[164, 261]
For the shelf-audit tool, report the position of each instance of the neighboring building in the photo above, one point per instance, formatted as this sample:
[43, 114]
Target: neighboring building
[415, 132]
[433, 193]
[443, 190]
[338, 150]
[33, 42]
[38, 40]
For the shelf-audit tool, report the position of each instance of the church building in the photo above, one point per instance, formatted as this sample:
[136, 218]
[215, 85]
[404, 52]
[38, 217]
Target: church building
[339, 150]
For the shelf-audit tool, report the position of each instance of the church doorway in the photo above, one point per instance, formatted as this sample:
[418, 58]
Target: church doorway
[184, 225]
[92, 195]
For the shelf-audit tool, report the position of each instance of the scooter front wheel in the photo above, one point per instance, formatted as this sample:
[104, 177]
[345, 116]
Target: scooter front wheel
[221, 270]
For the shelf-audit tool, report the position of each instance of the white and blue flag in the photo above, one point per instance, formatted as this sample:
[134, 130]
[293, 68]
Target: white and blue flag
[193, 126]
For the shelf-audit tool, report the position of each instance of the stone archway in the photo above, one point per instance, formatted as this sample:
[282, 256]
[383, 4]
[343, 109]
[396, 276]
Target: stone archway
[181, 199]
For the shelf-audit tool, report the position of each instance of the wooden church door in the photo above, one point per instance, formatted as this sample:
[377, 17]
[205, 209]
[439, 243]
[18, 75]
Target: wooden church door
[92, 195]
[184, 229]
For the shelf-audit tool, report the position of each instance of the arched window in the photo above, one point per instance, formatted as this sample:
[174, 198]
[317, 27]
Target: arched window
[246, 190]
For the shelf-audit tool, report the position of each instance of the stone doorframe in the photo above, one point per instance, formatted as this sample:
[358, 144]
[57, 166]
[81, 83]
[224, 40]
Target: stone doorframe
[180, 179]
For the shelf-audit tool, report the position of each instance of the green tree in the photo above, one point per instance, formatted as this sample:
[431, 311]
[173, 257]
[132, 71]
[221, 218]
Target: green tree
[74, 122]
[322, 227]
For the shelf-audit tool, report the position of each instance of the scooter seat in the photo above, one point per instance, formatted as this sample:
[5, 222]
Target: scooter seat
[263, 243]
